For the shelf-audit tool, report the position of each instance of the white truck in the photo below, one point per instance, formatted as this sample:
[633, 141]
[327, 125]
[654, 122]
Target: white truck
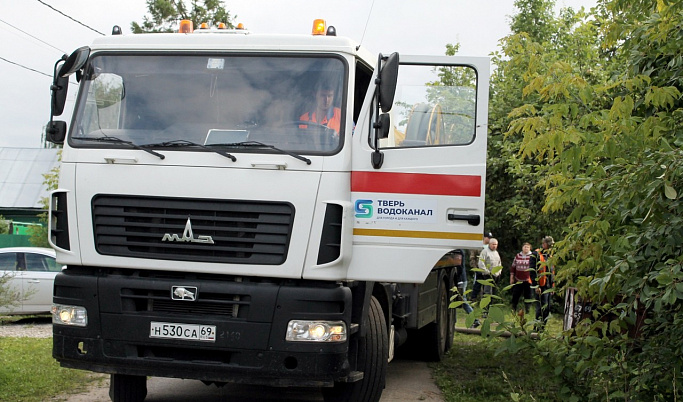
[214, 228]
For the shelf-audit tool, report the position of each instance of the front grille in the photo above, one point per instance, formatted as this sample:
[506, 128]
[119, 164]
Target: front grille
[221, 231]
[158, 301]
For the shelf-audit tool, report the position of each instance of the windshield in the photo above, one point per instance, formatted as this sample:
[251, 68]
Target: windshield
[292, 103]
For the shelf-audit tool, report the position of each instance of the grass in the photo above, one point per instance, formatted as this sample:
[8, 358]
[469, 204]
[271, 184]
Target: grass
[472, 372]
[29, 373]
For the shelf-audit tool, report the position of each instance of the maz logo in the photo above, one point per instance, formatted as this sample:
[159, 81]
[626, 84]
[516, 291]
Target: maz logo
[363, 208]
[188, 236]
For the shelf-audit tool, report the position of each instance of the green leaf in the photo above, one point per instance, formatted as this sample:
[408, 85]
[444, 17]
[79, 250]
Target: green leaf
[496, 314]
[486, 328]
[469, 320]
[456, 304]
[664, 278]
[670, 192]
[485, 302]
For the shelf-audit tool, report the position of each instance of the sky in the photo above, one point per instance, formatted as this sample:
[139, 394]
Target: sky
[33, 36]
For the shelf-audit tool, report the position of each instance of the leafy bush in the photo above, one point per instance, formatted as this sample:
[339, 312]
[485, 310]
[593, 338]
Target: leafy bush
[600, 132]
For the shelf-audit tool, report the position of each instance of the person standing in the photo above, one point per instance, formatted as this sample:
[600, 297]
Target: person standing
[520, 277]
[490, 264]
[474, 263]
[543, 278]
[461, 281]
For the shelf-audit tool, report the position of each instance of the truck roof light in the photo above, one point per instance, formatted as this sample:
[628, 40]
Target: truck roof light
[331, 31]
[318, 27]
[221, 25]
[204, 25]
[185, 26]
[240, 26]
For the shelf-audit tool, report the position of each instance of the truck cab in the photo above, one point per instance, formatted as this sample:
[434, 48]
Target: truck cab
[266, 209]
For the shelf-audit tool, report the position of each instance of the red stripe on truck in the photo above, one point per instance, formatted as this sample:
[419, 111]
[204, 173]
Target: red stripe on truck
[416, 183]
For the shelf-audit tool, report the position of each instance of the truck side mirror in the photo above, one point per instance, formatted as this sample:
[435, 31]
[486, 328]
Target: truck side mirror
[74, 62]
[388, 77]
[55, 132]
[59, 88]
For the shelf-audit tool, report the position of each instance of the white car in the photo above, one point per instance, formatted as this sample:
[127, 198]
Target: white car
[32, 272]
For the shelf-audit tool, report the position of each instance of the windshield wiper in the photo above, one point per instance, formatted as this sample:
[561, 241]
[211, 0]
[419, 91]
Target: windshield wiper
[185, 143]
[262, 145]
[116, 140]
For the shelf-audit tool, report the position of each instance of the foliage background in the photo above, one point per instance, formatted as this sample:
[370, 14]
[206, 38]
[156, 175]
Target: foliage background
[164, 15]
[585, 145]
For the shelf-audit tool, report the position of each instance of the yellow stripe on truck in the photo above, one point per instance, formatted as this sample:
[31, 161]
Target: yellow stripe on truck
[420, 234]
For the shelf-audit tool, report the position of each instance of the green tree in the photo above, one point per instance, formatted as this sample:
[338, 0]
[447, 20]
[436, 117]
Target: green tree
[600, 127]
[4, 225]
[164, 15]
[514, 193]
[8, 297]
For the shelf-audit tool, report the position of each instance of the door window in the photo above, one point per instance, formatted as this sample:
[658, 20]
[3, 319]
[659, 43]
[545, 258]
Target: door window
[8, 262]
[41, 263]
[433, 106]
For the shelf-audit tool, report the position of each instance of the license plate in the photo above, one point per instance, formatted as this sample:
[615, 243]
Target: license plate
[186, 332]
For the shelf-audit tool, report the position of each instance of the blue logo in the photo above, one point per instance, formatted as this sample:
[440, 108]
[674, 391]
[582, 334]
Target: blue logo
[363, 208]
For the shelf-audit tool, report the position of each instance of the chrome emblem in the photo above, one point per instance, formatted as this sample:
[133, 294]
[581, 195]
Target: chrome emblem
[184, 293]
[188, 236]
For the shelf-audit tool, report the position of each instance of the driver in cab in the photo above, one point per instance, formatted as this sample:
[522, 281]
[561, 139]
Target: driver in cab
[324, 113]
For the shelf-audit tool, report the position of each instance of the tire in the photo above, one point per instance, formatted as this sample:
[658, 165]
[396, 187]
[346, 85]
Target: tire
[435, 335]
[452, 319]
[127, 388]
[372, 361]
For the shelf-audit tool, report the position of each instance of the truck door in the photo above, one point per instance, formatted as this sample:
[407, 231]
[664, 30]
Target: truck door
[426, 195]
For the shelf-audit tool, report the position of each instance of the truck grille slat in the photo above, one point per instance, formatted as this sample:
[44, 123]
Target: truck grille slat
[143, 230]
[245, 232]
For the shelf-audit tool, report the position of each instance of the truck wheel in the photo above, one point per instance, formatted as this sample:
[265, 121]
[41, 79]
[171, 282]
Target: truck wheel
[127, 388]
[435, 335]
[372, 360]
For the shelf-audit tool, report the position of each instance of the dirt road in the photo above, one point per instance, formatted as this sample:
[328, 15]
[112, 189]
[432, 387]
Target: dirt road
[407, 380]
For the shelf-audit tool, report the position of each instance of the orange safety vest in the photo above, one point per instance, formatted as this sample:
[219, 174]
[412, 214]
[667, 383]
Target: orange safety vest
[333, 121]
[543, 279]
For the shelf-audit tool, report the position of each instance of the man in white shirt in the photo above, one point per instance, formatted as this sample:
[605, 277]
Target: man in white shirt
[489, 260]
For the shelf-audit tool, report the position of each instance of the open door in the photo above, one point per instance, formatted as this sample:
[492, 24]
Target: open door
[419, 192]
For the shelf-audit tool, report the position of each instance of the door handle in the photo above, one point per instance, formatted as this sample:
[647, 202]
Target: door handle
[471, 219]
[33, 281]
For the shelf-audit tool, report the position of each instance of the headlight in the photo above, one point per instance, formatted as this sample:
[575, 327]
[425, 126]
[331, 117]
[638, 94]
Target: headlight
[316, 331]
[69, 315]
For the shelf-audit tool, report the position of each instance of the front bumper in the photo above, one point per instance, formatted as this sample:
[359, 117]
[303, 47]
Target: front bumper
[250, 317]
